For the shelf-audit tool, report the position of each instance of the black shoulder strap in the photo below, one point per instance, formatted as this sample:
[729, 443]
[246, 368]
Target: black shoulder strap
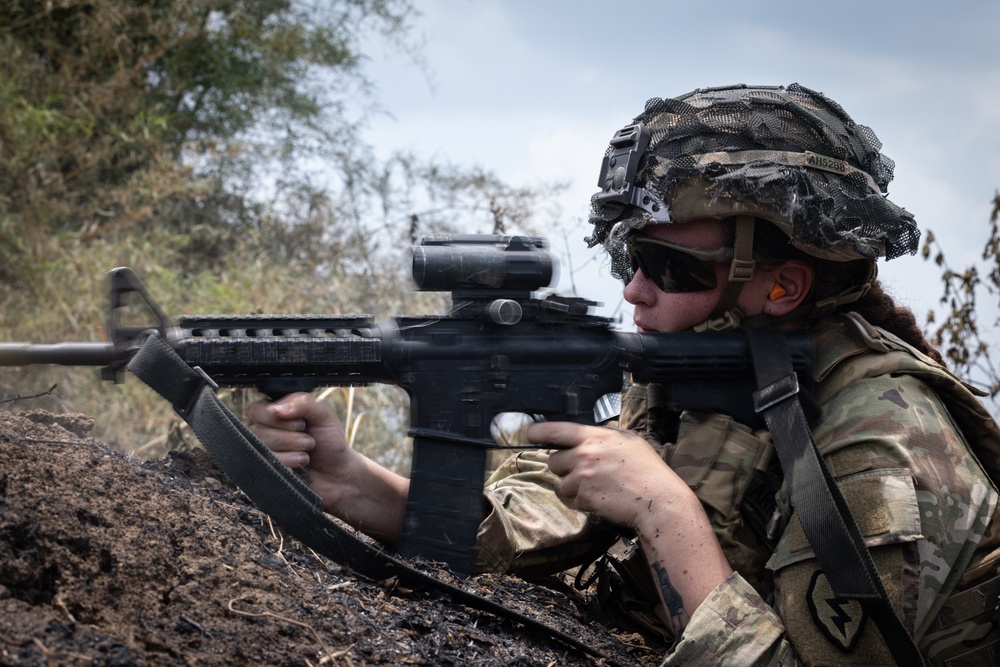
[279, 492]
[825, 517]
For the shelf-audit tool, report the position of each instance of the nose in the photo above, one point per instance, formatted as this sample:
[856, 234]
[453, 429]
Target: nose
[640, 290]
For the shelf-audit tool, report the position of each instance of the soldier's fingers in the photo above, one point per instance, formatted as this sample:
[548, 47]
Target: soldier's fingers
[558, 434]
[290, 413]
[293, 460]
[280, 439]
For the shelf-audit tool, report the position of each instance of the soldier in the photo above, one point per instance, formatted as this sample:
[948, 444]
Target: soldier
[740, 208]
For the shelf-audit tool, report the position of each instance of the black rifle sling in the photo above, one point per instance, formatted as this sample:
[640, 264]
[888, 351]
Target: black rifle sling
[825, 517]
[279, 492]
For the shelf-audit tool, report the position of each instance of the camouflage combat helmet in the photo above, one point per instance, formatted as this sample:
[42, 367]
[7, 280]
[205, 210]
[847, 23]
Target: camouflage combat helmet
[788, 155]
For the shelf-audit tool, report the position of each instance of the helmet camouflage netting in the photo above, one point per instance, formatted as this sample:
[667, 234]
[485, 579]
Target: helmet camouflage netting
[789, 155]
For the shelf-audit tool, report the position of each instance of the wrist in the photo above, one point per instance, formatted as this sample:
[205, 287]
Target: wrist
[341, 482]
[368, 497]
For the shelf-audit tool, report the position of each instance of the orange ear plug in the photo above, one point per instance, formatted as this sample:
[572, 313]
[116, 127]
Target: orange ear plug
[776, 292]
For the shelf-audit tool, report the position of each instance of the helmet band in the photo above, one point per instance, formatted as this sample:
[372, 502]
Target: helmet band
[806, 159]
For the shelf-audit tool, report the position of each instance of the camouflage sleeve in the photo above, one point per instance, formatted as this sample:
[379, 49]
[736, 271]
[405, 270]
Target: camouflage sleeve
[733, 626]
[922, 502]
[529, 527]
[920, 498]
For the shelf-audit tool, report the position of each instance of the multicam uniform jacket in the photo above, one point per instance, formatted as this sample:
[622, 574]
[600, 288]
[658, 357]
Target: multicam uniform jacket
[893, 429]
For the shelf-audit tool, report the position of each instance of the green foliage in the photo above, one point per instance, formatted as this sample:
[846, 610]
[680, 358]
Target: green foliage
[121, 114]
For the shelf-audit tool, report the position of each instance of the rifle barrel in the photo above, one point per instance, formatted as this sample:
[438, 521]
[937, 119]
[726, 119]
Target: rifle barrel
[63, 354]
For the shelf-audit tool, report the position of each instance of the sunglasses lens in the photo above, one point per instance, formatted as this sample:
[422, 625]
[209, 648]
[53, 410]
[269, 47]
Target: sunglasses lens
[670, 269]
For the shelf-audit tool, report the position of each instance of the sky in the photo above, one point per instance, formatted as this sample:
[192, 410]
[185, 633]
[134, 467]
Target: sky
[534, 89]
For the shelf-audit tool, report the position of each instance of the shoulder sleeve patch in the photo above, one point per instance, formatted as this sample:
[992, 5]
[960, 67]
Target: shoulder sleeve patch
[840, 619]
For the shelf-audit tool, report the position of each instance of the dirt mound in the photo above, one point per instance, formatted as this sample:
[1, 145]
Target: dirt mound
[106, 560]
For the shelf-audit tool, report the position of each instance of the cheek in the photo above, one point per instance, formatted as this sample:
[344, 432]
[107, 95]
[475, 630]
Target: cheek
[695, 309]
[680, 312]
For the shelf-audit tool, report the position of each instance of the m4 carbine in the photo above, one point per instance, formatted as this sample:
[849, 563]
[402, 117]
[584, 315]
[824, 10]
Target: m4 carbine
[501, 349]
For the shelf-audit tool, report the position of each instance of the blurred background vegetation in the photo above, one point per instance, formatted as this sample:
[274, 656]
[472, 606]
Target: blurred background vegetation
[962, 324]
[217, 148]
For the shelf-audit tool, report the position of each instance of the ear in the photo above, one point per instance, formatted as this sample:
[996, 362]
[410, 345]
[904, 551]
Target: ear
[795, 278]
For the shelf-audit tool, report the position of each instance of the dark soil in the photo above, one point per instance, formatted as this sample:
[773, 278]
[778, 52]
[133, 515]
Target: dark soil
[108, 560]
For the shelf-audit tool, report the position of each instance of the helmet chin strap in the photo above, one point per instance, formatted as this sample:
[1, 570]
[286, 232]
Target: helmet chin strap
[733, 319]
[726, 315]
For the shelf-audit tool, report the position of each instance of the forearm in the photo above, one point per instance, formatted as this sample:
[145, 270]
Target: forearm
[372, 499]
[684, 555]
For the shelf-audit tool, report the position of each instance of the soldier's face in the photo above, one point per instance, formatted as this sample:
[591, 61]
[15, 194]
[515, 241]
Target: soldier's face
[659, 311]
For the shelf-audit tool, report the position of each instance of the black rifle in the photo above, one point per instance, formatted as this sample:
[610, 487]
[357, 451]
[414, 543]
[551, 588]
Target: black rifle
[499, 350]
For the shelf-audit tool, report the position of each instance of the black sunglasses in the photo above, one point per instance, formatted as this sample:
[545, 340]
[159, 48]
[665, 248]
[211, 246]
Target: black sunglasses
[674, 267]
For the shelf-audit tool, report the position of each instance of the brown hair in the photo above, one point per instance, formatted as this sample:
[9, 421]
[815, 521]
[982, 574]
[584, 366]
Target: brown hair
[831, 278]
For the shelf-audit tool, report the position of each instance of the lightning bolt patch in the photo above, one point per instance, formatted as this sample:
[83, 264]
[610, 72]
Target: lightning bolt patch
[841, 620]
